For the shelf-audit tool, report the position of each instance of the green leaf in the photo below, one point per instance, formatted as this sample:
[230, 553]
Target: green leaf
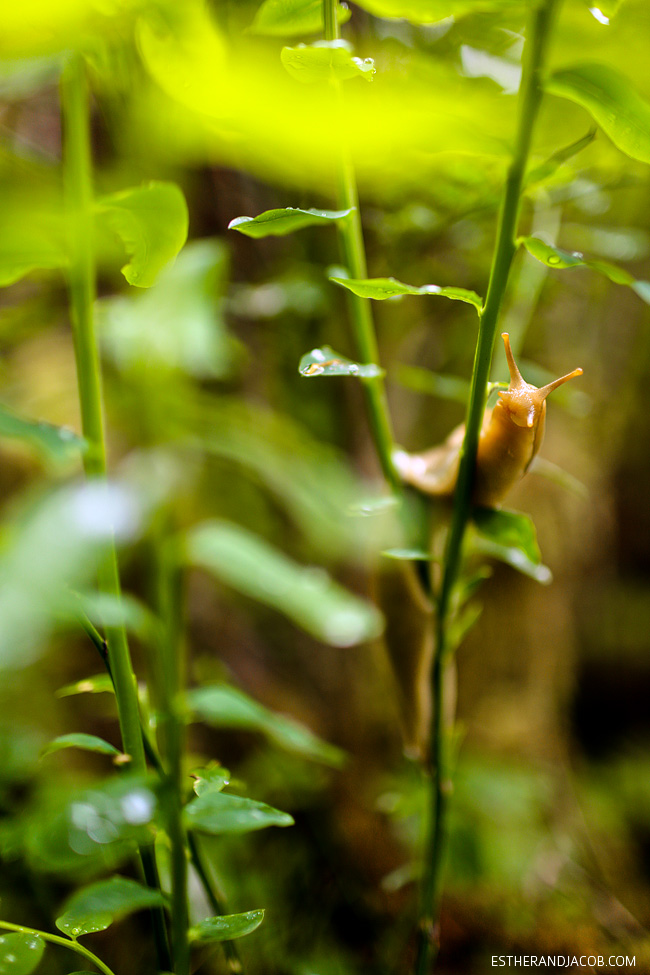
[278, 223]
[58, 444]
[289, 17]
[227, 927]
[96, 907]
[325, 61]
[99, 684]
[433, 383]
[555, 257]
[213, 778]
[381, 288]
[433, 11]
[612, 101]
[89, 743]
[152, 222]
[308, 596]
[408, 554]
[222, 706]
[218, 812]
[327, 362]
[510, 537]
[20, 952]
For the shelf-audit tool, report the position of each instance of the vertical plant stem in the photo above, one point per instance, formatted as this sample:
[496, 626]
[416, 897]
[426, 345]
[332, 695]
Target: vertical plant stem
[79, 200]
[172, 728]
[530, 94]
[354, 254]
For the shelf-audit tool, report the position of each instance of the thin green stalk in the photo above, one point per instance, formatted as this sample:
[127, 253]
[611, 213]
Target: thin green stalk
[530, 94]
[354, 254]
[79, 195]
[55, 939]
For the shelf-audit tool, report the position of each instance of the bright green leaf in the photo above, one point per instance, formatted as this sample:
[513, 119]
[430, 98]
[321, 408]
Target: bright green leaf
[327, 362]
[152, 222]
[96, 907]
[213, 778]
[227, 927]
[58, 444]
[325, 61]
[308, 596]
[407, 554]
[612, 101]
[278, 223]
[381, 288]
[218, 812]
[99, 684]
[510, 537]
[20, 952]
[289, 17]
[433, 11]
[222, 706]
[89, 743]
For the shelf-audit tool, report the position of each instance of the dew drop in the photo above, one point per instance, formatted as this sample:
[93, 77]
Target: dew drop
[599, 16]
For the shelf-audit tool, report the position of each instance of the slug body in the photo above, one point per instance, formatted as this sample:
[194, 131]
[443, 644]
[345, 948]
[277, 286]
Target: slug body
[511, 435]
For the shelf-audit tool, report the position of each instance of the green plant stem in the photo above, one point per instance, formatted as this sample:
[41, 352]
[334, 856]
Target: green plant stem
[55, 939]
[354, 254]
[79, 197]
[530, 94]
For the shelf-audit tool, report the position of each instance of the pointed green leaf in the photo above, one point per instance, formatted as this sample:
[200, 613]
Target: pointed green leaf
[20, 952]
[99, 684]
[218, 812]
[96, 907]
[555, 257]
[58, 444]
[381, 288]
[510, 537]
[89, 743]
[278, 223]
[408, 554]
[213, 778]
[325, 61]
[308, 596]
[152, 222]
[222, 706]
[612, 101]
[327, 362]
[227, 927]
[289, 17]
[433, 11]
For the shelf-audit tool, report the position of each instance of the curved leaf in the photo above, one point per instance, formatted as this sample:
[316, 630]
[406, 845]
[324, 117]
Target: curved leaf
[96, 907]
[325, 61]
[89, 743]
[217, 813]
[227, 927]
[289, 17]
[99, 684]
[611, 100]
[222, 706]
[327, 362]
[278, 223]
[432, 11]
[381, 288]
[58, 444]
[509, 536]
[213, 778]
[20, 952]
[308, 596]
[152, 223]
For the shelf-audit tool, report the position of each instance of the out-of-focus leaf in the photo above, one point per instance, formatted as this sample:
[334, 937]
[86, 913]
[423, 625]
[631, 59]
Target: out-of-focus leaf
[278, 223]
[510, 537]
[557, 159]
[612, 101]
[432, 11]
[461, 625]
[603, 10]
[151, 221]
[327, 362]
[407, 554]
[21, 77]
[96, 907]
[433, 383]
[227, 707]
[89, 743]
[559, 476]
[100, 684]
[557, 258]
[94, 829]
[213, 778]
[288, 17]
[218, 812]
[31, 244]
[308, 596]
[381, 288]
[178, 324]
[20, 952]
[325, 61]
[58, 444]
[227, 927]
[124, 610]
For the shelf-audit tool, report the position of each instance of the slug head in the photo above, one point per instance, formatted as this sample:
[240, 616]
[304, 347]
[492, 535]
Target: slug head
[523, 402]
